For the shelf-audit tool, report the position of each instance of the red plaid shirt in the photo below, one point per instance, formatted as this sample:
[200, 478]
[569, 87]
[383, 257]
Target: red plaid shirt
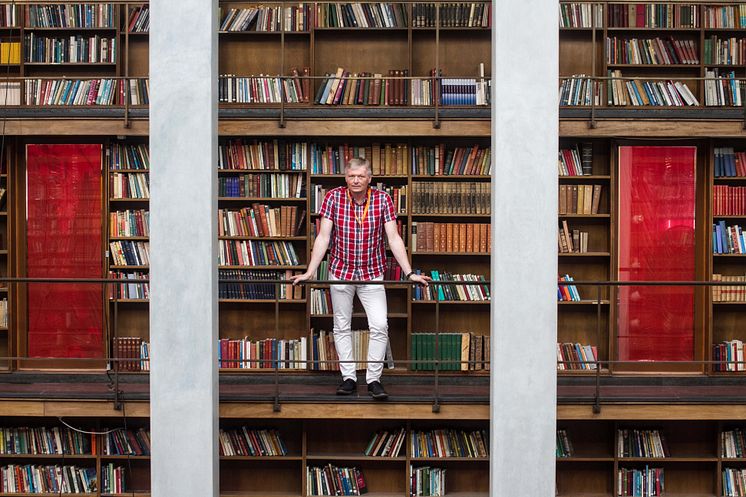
[357, 252]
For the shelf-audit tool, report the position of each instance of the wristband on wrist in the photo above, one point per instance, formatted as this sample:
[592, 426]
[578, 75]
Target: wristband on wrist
[410, 274]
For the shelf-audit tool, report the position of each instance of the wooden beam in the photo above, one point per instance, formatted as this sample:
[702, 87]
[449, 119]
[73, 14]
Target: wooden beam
[265, 127]
[619, 128]
[633, 412]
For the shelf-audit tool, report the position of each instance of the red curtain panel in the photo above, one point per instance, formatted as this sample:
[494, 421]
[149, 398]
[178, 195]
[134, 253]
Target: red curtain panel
[64, 236]
[656, 243]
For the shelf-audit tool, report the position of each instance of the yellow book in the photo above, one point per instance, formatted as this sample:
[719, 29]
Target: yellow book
[10, 52]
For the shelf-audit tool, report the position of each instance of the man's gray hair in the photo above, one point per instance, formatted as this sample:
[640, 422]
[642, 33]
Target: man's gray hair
[359, 162]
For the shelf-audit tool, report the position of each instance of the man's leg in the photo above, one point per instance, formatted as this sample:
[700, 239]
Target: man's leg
[373, 298]
[342, 296]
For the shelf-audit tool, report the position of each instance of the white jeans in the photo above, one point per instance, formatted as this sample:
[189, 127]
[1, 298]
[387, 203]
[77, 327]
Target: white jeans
[373, 298]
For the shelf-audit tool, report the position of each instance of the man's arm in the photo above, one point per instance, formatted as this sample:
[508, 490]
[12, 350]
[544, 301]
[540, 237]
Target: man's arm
[400, 252]
[318, 252]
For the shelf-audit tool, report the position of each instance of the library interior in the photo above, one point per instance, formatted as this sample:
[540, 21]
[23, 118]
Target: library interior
[644, 359]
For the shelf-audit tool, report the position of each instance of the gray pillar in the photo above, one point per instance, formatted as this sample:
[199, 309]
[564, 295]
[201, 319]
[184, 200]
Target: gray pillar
[524, 255]
[183, 243]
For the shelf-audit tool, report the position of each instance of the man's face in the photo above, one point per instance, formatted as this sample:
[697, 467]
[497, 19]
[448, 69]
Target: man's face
[357, 179]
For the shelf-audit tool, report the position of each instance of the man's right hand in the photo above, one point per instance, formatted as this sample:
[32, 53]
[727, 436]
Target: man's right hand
[298, 278]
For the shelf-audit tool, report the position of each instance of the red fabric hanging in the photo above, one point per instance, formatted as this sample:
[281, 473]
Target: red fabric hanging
[656, 243]
[64, 236]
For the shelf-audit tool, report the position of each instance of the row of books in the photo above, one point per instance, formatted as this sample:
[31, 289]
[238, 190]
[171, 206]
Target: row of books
[8, 16]
[131, 288]
[129, 253]
[729, 163]
[728, 200]
[321, 301]
[733, 443]
[465, 91]
[641, 443]
[257, 253]
[579, 90]
[653, 15]
[451, 237]
[385, 159]
[430, 197]
[452, 293]
[564, 446]
[398, 196]
[580, 15]
[49, 479]
[128, 156]
[244, 441]
[233, 290]
[734, 482]
[455, 351]
[427, 481]
[651, 51]
[41, 440]
[729, 293]
[577, 161]
[386, 443]
[449, 443]
[260, 220]
[139, 21]
[272, 155]
[133, 222]
[457, 161]
[567, 292]
[727, 239]
[262, 185]
[261, 89]
[263, 18]
[77, 92]
[113, 479]
[129, 442]
[334, 480]
[323, 353]
[77, 15]
[726, 16]
[129, 185]
[452, 15]
[73, 49]
[132, 354]
[245, 353]
[571, 241]
[728, 356]
[646, 482]
[361, 15]
[10, 52]
[363, 88]
[576, 356]
[637, 92]
[722, 90]
[579, 199]
[724, 51]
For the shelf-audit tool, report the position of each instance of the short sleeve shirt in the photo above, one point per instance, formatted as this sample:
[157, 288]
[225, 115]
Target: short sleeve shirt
[356, 249]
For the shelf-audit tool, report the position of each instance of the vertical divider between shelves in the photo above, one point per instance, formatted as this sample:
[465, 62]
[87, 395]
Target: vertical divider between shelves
[304, 460]
[408, 459]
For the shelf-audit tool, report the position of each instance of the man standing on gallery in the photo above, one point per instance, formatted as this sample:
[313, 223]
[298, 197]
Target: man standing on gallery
[353, 219]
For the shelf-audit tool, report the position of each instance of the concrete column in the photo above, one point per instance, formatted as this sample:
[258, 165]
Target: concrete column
[524, 248]
[183, 248]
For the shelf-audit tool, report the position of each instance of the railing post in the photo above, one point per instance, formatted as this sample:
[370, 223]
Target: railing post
[597, 396]
[436, 402]
[276, 405]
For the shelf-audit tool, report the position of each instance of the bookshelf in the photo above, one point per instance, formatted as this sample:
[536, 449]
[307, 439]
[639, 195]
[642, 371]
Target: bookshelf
[289, 447]
[257, 43]
[676, 42]
[6, 336]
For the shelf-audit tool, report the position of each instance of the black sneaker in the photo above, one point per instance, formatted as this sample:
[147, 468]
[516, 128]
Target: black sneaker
[348, 387]
[375, 389]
